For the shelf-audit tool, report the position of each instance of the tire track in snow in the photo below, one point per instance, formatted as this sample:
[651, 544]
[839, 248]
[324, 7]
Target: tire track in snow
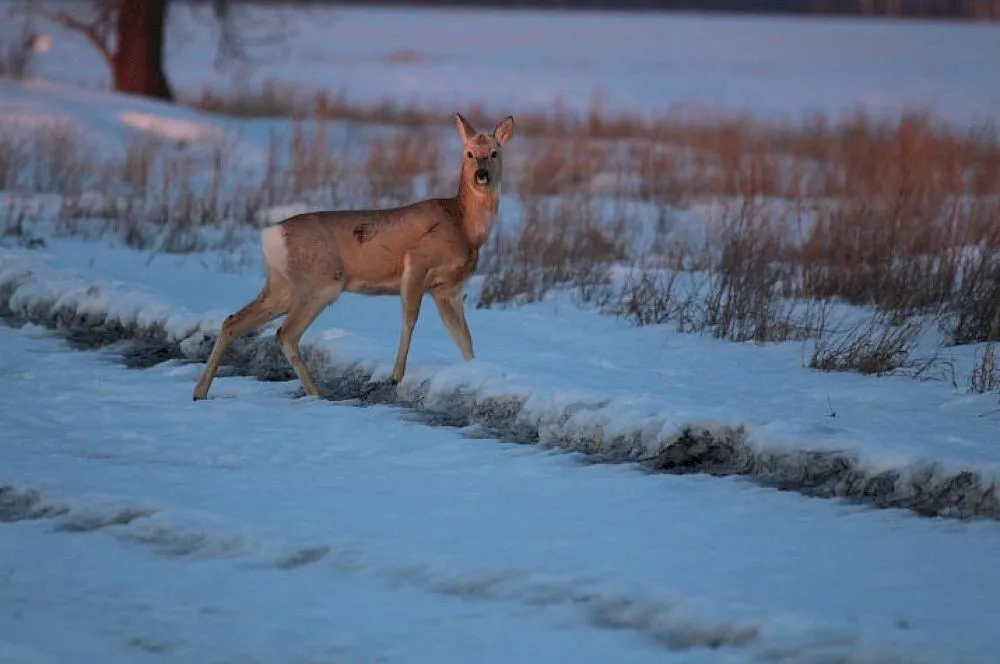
[660, 621]
[82, 314]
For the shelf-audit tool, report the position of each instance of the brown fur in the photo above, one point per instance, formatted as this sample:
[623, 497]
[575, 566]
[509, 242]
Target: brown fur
[431, 246]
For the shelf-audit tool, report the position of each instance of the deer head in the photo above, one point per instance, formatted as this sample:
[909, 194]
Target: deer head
[482, 154]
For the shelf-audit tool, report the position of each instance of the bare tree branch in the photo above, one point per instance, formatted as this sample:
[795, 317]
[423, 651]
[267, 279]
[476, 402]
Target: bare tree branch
[241, 33]
[98, 31]
[230, 47]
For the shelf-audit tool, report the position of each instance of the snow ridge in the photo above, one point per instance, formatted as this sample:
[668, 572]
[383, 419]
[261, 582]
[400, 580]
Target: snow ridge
[98, 315]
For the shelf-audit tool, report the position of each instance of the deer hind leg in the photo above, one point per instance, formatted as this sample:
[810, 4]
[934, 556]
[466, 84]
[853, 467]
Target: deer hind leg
[451, 307]
[304, 311]
[411, 292]
[271, 303]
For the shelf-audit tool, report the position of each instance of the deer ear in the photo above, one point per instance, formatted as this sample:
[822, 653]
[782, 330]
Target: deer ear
[504, 130]
[465, 130]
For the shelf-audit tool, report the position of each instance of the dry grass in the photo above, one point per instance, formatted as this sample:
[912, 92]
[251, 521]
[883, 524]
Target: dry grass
[904, 205]
[301, 164]
[52, 157]
[749, 296]
[162, 193]
[560, 241]
[560, 167]
[976, 302]
[900, 170]
[985, 375]
[395, 162]
[896, 215]
[275, 99]
[648, 297]
[17, 44]
[875, 347]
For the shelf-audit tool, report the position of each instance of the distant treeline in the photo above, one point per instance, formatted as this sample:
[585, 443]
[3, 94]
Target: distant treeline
[968, 9]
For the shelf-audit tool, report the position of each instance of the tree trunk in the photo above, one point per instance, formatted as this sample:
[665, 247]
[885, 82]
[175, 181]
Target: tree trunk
[138, 61]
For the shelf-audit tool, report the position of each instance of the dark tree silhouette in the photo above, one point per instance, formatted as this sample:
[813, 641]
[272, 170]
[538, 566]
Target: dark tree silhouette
[137, 65]
[130, 35]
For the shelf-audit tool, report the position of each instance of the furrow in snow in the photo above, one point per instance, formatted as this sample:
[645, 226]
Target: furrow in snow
[671, 623]
[18, 504]
[95, 315]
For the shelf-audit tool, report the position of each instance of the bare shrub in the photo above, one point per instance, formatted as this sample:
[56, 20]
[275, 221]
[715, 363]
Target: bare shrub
[509, 276]
[62, 162]
[985, 375]
[559, 242]
[594, 288]
[395, 162]
[751, 283]
[747, 164]
[902, 212]
[560, 167]
[648, 297]
[301, 165]
[874, 347]
[976, 307]
[14, 155]
[50, 157]
[14, 217]
[728, 156]
[15, 224]
[272, 100]
[161, 192]
[311, 163]
[866, 255]
[17, 45]
[663, 172]
[874, 212]
[143, 154]
[275, 99]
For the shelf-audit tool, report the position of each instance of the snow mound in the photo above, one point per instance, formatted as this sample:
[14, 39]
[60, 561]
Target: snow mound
[110, 121]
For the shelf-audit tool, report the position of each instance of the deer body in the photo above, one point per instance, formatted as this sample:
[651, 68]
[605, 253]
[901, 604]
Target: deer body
[428, 247]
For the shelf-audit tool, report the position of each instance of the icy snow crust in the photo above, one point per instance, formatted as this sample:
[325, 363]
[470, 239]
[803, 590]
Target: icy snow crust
[605, 429]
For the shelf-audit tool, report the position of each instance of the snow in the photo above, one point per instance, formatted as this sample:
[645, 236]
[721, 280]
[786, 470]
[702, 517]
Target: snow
[613, 386]
[107, 121]
[356, 533]
[172, 530]
[513, 61]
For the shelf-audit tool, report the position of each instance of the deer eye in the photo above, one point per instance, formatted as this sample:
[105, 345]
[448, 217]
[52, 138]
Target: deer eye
[469, 154]
[493, 155]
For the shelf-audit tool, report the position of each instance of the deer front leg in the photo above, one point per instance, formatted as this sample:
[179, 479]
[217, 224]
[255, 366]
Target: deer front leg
[411, 291]
[452, 310]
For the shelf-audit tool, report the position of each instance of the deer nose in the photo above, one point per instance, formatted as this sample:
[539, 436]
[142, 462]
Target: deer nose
[482, 176]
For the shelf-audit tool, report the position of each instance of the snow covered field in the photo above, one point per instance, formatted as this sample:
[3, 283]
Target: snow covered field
[481, 512]
[520, 61]
[254, 528]
[365, 533]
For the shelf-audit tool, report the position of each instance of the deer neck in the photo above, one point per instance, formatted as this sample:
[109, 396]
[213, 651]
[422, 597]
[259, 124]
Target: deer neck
[478, 208]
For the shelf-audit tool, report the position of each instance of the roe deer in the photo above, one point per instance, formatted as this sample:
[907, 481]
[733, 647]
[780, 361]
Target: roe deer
[431, 246]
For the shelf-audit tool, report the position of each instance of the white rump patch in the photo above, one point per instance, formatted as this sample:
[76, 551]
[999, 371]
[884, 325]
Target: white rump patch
[272, 241]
